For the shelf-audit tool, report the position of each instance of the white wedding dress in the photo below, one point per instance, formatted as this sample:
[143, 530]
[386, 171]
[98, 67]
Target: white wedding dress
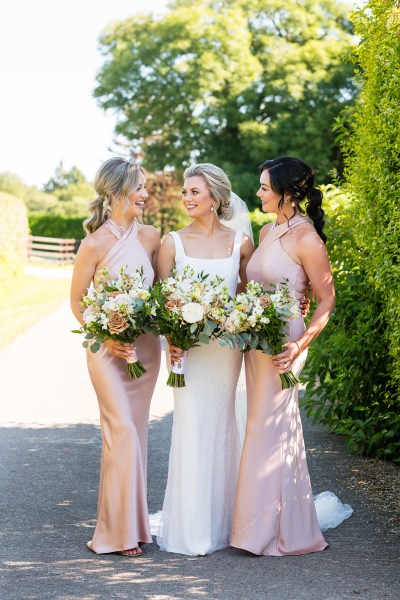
[205, 447]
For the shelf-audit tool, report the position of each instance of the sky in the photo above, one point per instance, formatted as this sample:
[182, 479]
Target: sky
[48, 63]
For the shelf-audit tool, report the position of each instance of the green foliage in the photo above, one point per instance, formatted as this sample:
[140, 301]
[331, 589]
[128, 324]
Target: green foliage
[35, 200]
[231, 83]
[71, 200]
[354, 366]
[164, 209]
[349, 370]
[63, 178]
[57, 226]
[13, 234]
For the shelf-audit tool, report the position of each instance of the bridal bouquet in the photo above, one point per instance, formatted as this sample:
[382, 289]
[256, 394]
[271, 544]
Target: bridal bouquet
[188, 309]
[258, 320]
[116, 309]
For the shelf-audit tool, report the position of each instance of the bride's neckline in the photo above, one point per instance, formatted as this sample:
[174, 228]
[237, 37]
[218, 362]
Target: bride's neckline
[200, 258]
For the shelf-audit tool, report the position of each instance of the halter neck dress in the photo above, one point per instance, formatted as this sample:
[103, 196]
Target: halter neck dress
[122, 515]
[274, 509]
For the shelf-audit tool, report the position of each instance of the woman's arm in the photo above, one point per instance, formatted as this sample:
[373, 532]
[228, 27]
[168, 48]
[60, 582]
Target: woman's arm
[84, 269]
[312, 253]
[166, 258]
[149, 237]
[246, 250]
[166, 262]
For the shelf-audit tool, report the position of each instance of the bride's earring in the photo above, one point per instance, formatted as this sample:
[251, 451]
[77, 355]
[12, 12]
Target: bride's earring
[212, 208]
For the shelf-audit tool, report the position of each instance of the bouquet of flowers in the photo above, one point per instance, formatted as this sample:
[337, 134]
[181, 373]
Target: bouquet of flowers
[188, 309]
[258, 321]
[116, 309]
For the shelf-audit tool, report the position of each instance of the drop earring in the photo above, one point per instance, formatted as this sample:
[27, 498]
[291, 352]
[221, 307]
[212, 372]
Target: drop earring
[212, 208]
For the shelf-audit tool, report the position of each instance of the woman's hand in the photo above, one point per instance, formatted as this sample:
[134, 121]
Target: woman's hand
[175, 352]
[284, 361]
[121, 350]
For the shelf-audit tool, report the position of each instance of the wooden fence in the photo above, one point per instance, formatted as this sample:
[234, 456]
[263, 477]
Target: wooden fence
[54, 250]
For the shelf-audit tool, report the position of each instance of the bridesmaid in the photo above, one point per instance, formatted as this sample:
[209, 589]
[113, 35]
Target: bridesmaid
[274, 510]
[115, 239]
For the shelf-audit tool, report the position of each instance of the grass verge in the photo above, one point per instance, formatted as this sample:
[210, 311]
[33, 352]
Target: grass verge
[24, 300]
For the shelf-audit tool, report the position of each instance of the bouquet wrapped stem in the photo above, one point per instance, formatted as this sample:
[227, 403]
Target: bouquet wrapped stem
[177, 375]
[135, 368]
[288, 379]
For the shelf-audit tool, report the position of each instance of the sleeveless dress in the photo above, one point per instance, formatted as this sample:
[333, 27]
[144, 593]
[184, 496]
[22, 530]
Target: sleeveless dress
[274, 509]
[205, 447]
[122, 515]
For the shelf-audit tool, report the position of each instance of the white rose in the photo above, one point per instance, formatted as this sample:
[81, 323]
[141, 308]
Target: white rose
[192, 312]
[89, 315]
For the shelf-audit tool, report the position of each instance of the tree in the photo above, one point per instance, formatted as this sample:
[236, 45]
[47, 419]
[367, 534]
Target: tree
[71, 189]
[63, 178]
[354, 367]
[231, 83]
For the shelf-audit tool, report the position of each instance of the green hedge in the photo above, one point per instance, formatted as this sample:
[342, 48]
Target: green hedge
[13, 234]
[357, 357]
[57, 226]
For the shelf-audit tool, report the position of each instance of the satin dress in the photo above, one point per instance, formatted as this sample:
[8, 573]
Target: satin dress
[205, 445]
[122, 514]
[274, 510]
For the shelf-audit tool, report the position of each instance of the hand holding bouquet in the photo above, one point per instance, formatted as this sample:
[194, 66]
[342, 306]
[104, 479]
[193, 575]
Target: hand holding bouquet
[258, 321]
[116, 309]
[188, 309]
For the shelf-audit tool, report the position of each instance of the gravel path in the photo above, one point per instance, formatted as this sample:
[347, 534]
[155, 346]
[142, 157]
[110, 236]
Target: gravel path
[50, 449]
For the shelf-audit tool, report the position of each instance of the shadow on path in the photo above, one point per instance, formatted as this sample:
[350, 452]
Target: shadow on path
[48, 509]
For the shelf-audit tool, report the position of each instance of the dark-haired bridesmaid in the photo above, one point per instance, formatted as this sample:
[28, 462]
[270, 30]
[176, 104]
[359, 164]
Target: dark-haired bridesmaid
[274, 510]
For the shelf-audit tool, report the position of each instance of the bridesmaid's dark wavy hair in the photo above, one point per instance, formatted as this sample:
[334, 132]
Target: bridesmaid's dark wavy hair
[292, 176]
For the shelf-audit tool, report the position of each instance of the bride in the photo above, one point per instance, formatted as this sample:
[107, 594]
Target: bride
[205, 447]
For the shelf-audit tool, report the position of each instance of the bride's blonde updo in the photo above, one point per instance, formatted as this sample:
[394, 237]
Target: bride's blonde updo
[116, 177]
[218, 185]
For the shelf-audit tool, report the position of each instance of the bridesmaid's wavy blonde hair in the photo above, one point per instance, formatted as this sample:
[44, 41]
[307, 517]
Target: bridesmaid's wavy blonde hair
[116, 177]
[218, 185]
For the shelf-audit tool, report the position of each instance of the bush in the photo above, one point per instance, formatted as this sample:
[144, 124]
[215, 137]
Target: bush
[57, 226]
[349, 385]
[13, 234]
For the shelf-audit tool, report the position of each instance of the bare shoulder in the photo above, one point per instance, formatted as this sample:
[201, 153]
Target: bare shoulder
[264, 230]
[246, 245]
[307, 236]
[93, 242]
[149, 231]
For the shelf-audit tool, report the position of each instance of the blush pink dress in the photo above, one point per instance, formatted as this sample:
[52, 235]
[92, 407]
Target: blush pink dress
[122, 515]
[274, 510]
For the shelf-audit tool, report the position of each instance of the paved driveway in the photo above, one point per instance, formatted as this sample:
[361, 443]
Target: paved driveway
[50, 450]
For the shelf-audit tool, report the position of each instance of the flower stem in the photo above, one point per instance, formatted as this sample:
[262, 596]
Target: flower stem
[135, 370]
[288, 380]
[176, 380]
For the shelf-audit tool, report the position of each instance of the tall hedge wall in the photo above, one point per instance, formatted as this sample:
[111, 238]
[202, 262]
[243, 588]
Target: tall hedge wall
[57, 226]
[357, 358]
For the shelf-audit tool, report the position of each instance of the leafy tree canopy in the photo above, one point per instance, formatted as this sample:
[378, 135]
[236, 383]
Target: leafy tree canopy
[230, 82]
[63, 178]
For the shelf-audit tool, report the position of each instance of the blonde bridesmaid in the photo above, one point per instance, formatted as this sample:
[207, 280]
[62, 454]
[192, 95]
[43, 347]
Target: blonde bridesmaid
[115, 239]
[274, 510]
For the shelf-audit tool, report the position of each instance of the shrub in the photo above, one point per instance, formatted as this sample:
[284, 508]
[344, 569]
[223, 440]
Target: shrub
[13, 234]
[57, 226]
[349, 385]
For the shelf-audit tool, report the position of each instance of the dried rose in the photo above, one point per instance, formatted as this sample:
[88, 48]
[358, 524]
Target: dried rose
[116, 323]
